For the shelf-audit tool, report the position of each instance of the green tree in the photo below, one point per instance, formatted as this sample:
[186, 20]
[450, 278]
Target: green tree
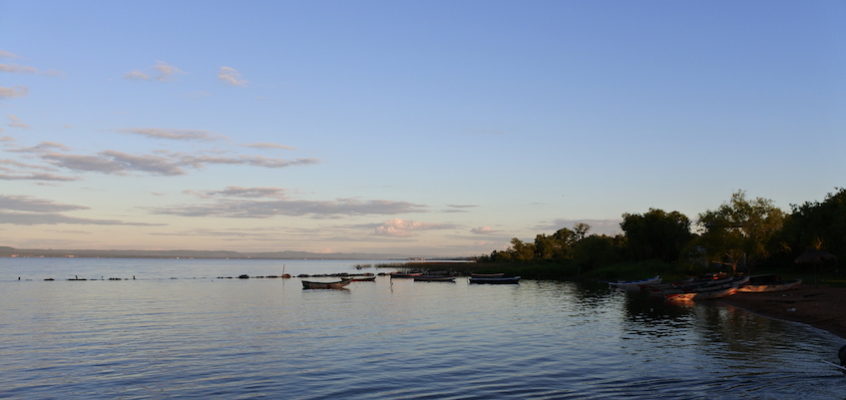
[818, 225]
[740, 230]
[656, 234]
[522, 251]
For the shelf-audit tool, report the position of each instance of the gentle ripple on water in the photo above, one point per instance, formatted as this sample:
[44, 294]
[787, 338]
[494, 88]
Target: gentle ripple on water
[207, 338]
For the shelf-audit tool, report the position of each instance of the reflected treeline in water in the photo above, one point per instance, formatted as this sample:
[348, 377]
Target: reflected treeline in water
[646, 315]
[743, 335]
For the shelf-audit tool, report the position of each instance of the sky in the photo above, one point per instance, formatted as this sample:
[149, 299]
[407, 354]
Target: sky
[418, 128]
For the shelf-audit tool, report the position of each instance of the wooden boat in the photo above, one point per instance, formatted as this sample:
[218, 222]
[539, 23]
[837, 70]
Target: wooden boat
[364, 278]
[635, 285]
[434, 278]
[498, 275]
[696, 286]
[405, 275]
[325, 285]
[496, 281]
[702, 295]
[768, 283]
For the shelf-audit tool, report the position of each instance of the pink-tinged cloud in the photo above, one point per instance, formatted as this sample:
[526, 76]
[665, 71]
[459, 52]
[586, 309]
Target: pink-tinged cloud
[10, 92]
[270, 146]
[402, 227]
[161, 72]
[231, 76]
[16, 122]
[174, 134]
[18, 69]
[55, 219]
[483, 230]
[243, 192]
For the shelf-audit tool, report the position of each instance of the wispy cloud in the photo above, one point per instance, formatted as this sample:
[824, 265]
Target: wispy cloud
[265, 145]
[161, 72]
[174, 134]
[16, 122]
[19, 164]
[399, 227]
[26, 210]
[242, 203]
[54, 219]
[243, 192]
[162, 163]
[17, 91]
[27, 203]
[6, 54]
[137, 75]
[37, 176]
[483, 230]
[18, 69]
[42, 147]
[231, 76]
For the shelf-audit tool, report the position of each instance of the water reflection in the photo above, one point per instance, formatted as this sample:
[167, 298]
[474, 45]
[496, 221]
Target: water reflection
[393, 339]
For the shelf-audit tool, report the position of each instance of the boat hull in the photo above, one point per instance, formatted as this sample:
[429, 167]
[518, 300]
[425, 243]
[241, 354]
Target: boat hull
[777, 287]
[496, 281]
[325, 285]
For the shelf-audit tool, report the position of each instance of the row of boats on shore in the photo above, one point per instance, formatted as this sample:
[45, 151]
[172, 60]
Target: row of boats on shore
[433, 276]
[711, 286]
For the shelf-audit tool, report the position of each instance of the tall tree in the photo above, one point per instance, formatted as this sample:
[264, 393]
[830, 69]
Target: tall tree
[656, 234]
[739, 230]
[819, 225]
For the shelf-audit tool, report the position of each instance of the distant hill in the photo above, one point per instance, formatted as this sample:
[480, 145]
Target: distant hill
[6, 251]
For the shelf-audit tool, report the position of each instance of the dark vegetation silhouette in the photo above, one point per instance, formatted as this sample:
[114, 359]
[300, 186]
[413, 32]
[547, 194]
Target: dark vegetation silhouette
[742, 235]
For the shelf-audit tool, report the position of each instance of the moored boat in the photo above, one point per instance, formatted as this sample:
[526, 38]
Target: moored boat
[364, 278]
[405, 275]
[635, 285]
[496, 281]
[430, 278]
[326, 285]
[496, 275]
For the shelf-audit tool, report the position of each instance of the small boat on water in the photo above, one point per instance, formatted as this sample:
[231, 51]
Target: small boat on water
[496, 281]
[405, 275]
[364, 278]
[768, 283]
[635, 285]
[497, 275]
[434, 278]
[326, 285]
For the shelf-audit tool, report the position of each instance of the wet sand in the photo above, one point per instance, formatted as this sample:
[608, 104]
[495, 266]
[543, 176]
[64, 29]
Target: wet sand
[819, 306]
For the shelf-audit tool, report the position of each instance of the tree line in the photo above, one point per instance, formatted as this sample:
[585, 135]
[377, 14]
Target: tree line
[741, 234]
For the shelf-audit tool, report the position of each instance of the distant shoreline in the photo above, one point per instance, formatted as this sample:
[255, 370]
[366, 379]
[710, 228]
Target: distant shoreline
[11, 252]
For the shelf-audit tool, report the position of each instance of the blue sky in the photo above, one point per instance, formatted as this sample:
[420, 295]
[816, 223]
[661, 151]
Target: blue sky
[416, 128]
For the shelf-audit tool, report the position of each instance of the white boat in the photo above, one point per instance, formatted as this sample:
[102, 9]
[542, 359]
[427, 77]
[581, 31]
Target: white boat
[635, 285]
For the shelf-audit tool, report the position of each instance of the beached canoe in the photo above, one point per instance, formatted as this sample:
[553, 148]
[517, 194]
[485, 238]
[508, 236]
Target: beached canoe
[426, 278]
[496, 281]
[702, 295]
[325, 285]
[690, 287]
[768, 283]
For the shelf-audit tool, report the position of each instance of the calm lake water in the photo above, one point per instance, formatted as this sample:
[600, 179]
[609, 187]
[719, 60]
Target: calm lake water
[200, 337]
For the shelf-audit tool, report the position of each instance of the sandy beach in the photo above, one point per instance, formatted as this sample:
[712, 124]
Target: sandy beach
[819, 306]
